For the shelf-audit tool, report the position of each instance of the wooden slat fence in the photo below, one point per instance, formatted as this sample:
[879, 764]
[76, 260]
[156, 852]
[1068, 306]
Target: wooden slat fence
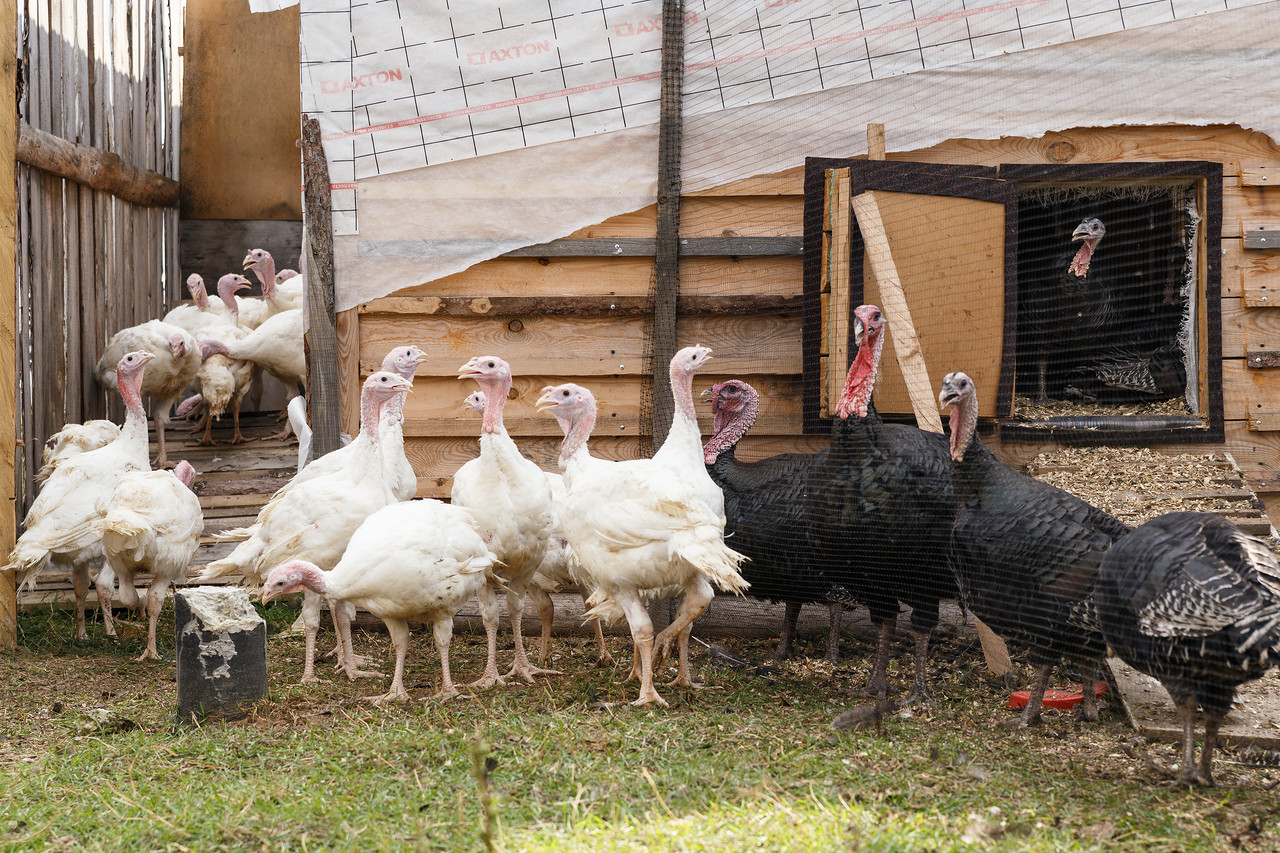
[101, 73]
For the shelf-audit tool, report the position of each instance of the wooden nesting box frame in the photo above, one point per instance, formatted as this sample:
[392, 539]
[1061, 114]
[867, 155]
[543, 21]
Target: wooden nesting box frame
[834, 282]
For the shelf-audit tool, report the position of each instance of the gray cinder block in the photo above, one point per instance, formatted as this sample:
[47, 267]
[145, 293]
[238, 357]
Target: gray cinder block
[221, 651]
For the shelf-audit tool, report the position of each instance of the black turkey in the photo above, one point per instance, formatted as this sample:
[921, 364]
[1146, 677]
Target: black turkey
[764, 515]
[1025, 554]
[1193, 601]
[879, 509]
[1065, 315]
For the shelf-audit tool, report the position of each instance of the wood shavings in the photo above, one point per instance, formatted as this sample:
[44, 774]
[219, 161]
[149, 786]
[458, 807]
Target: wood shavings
[1138, 484]
[1025, 407]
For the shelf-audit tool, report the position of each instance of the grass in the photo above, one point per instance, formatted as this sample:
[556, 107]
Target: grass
[748, 763]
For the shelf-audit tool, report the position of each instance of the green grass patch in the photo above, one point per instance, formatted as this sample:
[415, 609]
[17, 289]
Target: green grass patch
[748, 763]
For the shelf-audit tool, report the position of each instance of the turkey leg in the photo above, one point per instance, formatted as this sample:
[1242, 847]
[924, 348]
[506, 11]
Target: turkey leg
[835, 611]
[1188, 773]
[342, 612]
[443, 631]
[80, 588]
[697, 595]
[105, 585]
[399, 631]
[155, 603]
[489, 616]
[878, 684]
[790, 616]
[311, 619]
[642, 634]
[521, 666]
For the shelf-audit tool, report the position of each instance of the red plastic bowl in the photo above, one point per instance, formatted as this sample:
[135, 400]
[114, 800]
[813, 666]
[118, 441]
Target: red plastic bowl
[1055, 698]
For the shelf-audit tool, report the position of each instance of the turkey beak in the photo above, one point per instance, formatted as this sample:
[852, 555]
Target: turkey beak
[247, 262]
[147, 356]
[946, 396]
[1081, 232]
[468, 371]
[419, 356]
[242, 285]
[546, 401]
[859, 331]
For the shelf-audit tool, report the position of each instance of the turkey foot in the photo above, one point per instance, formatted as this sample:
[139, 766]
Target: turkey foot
[878, 685]
[649, 697]
[489, 679]
[398, 694]
[353, 673]
[527, 671]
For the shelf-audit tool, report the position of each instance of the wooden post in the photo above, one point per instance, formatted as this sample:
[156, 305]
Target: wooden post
[322, 335]
[666, 290]
[8, 308]
[348, 331]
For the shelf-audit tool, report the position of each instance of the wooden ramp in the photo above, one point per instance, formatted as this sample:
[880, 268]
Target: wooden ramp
[233, 481]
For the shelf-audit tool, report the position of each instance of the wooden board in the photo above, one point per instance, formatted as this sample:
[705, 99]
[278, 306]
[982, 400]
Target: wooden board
[240, 108]
[949, 254]
[215, 247]
[435, 406]
[1254, 720]
[587, 346]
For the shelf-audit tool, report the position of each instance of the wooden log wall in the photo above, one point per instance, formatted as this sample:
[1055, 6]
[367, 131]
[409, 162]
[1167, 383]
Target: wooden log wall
[98, 74]
[575, 309]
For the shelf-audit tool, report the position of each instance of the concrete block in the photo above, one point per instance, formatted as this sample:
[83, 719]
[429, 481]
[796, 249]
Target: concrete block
[221, 651]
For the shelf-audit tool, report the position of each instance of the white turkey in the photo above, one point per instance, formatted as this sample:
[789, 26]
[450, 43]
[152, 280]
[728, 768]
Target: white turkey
[559, 567]
[418, 560]
[1193, 601]
[275, 346]
[645, 524]
[314, 519]
[72, 440]
[511, 501]
[201, 314]
[59, 527]
[281, 295]
[177, 360]
[151, 522]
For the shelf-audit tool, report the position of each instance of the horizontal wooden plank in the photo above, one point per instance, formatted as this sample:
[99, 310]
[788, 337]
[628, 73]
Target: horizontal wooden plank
[1258, 359]
[754, 216]
[563, 277]
[435, 408]
[588, 346]
[1266, 236]
[436, 460]
[576, 306]
[1261, 293]
[607, 247]
[1254, 174]
[1240, 266]
[1229, 145]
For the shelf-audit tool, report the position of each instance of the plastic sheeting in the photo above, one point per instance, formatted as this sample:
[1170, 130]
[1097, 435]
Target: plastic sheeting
[421, 225]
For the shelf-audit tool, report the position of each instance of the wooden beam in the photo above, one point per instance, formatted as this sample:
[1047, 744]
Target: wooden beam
[839, 281]
[666, 258]
[578, 306]
[322, 336]
[646, 247]
[1261, 236]
[8, 304]
[95, 168]
[875, 141]
[905, 342]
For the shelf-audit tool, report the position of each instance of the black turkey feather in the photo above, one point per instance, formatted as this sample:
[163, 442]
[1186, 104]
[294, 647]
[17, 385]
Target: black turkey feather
[764, 515]
[1025, 553]
[880, 508]
[1193, 601]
